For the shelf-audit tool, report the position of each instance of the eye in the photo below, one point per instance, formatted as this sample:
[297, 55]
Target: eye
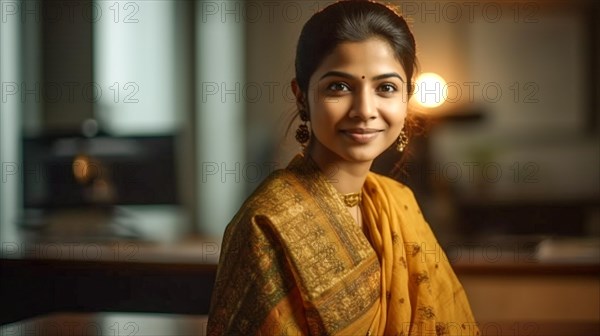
[338, 86]
[387, 88]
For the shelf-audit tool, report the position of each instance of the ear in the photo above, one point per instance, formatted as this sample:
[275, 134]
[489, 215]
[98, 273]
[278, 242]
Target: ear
[300, 98]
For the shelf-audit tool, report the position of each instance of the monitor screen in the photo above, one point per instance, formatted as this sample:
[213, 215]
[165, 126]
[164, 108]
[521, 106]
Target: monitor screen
[77, 171]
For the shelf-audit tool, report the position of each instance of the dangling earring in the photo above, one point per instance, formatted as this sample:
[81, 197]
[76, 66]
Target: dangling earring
[302, 133]
[402, 141]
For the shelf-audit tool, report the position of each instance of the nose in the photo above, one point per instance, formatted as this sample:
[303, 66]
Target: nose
[363, 105]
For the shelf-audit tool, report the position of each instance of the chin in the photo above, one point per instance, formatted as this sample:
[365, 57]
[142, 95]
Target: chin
[341, 150]
[361, 154]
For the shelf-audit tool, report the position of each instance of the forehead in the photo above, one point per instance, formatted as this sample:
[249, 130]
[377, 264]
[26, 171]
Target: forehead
[365, 58]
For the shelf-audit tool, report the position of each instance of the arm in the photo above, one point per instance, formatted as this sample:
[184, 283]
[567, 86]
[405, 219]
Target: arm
[255, 291]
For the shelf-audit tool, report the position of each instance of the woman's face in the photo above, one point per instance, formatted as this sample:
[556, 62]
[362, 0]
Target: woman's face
[357, 101]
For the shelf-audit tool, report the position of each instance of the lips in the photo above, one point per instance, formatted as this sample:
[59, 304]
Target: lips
[361, 135]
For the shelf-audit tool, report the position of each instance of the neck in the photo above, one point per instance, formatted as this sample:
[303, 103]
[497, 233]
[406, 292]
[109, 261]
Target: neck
[345, 176]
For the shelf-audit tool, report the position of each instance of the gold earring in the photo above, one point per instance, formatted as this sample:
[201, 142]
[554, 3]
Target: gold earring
[402, 141]
[302, 133]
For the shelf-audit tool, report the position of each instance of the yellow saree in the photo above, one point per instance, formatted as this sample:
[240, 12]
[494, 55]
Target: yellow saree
[294, 262]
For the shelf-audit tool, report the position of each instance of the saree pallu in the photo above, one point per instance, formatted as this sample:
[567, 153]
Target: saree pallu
[294, 262]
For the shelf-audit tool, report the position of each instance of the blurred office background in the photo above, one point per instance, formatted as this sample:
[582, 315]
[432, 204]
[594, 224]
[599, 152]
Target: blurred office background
[152, 121]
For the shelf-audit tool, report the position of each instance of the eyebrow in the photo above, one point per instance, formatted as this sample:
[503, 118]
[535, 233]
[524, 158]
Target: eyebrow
[349, 76]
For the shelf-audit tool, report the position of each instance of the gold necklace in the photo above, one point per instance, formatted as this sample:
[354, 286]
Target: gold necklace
[351, 199]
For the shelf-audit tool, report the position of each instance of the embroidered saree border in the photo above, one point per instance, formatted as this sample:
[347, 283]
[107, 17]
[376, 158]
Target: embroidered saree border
[336, 273]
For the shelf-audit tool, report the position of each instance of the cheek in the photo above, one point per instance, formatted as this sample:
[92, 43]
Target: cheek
[327, 114]
[395, 115]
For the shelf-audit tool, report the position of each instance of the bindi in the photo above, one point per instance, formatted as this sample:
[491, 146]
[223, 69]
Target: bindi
[363, 77]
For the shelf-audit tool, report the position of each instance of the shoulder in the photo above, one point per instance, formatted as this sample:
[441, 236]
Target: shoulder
[267, 201]
[394, 191]
[276, 188]
[385, 183]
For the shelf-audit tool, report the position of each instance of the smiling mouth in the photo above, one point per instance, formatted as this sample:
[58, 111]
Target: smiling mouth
[362, 130]
[361, 135]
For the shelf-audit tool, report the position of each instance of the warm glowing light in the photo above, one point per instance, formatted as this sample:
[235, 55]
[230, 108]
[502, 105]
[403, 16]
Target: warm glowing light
[81, 168]
[430, 90]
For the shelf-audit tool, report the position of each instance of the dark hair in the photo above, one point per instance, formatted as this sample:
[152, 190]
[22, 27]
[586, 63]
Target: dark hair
[353, 21]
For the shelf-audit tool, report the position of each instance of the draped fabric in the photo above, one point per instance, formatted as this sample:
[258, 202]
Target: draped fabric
[294, 262]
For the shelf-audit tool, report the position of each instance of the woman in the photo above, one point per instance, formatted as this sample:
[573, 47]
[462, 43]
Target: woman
[325, 246]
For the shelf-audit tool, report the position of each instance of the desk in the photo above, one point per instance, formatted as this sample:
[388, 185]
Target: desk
[114, 324]
[121, 324]
[98, 277]
[507, 286]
